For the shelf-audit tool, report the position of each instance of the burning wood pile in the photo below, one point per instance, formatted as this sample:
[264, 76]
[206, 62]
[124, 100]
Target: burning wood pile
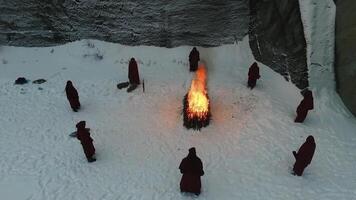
[196, 108]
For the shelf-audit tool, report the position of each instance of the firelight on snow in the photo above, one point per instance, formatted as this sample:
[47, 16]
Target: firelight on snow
[196, 102]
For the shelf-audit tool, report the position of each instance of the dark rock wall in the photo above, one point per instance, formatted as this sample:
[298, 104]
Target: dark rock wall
[275, 27]
[345, 54]
[277, 38]
[132, 22]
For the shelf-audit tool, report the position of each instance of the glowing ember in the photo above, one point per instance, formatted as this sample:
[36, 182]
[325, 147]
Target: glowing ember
[196, 102]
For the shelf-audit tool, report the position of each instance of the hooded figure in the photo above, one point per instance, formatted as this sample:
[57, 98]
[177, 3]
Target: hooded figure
[305, 105]
[192, 169]
[253, 75]
[134, 78]
[72, 96]
[87, 142]
[304, 156]
[194, 59]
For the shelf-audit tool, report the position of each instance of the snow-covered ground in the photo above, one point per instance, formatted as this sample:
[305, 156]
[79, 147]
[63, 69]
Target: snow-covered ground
[140, 139]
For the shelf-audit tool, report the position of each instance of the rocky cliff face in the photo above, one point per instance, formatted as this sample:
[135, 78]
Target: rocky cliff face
[345, 60]
[132, 22]
[276, 31]
[277, 38]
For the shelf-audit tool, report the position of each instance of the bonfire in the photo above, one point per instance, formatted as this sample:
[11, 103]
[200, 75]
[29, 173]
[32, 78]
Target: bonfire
[196, 108]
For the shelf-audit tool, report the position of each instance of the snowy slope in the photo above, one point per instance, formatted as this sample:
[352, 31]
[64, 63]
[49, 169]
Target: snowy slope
[140, 138]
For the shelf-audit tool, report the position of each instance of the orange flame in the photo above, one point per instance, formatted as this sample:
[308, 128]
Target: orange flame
[198, 102]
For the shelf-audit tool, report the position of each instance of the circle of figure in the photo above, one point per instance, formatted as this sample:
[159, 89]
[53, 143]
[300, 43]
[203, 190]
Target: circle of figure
[194, 59]
[134, 77]
[253, 75]
[83, 135]
[192, 169]
[72, 96]
[304, 156]
[305, 105]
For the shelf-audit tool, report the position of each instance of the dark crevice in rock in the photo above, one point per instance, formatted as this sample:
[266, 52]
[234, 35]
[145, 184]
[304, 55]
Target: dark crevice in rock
[277, 38]
[345, 48]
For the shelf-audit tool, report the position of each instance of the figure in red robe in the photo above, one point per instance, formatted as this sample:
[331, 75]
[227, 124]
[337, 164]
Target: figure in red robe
[192, 169]
[194, 59]
[304, 156]
[72, 96]
[305, 105]
[134, 78]
[87, 142]
[253, 75]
